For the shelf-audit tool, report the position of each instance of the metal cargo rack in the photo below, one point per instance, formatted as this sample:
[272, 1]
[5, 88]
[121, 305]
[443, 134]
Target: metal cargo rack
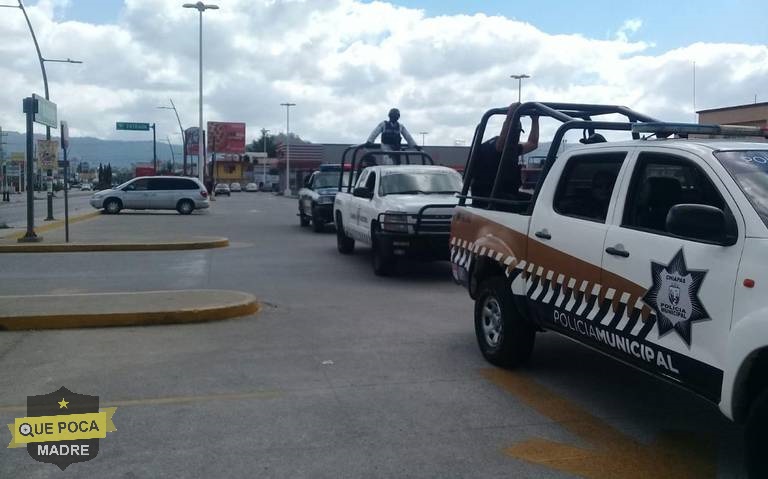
[400, 157]
[575, 116]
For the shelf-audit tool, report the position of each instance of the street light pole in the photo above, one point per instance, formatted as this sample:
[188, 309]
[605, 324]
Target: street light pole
[519, 79]
[201, 7]
[423, 135]
[288, 147]
[183, 136]
[264, 132]
[47, 94]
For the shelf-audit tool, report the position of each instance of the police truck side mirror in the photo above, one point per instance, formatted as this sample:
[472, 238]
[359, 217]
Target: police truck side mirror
[702, 223]
[363, 192]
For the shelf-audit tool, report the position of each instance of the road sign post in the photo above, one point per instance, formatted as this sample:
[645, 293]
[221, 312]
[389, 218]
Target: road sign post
[65, 147]
[132, 126]
[47, 115]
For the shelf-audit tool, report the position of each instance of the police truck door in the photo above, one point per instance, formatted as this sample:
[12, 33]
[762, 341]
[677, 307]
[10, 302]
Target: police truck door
[675, 293]
[566, 236]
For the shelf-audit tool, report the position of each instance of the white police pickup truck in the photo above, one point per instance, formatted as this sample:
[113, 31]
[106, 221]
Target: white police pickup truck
[400, 211]
[651, 251]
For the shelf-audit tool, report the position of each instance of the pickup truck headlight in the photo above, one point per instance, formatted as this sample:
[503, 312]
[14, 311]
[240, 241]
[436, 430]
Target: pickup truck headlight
[325, 200]
[394, 222]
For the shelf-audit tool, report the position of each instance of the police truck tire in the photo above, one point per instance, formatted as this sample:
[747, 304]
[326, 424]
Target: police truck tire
[756, 438]
[344, 243]
[112, 206]
[383, 262]
[504, 336]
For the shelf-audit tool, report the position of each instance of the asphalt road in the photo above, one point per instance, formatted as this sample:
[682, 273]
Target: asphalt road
[14, 214]
[343, 374]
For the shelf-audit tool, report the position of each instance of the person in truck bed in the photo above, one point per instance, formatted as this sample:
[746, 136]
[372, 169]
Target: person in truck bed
[489, 156]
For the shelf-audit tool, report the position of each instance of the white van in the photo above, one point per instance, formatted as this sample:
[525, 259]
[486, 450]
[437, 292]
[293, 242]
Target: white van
[154, 193]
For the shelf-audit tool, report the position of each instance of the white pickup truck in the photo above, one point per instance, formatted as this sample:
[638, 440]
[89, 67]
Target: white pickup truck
[400, 211]
[652, 251]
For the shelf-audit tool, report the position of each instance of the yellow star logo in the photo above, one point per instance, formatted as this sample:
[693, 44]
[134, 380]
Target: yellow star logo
[63, 404]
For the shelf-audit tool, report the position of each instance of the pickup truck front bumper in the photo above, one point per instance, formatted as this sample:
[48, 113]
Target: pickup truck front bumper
[432, 247]
[426, 238]
[323, 212]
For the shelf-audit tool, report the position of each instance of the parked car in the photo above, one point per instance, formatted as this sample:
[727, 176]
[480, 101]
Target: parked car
[221, 189]
[235, 188]
[86, 187]
[154, 193]
[251, 187]
[651, 251]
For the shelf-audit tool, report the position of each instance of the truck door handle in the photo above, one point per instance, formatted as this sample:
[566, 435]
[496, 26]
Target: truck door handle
[617, 250]
[543, 234]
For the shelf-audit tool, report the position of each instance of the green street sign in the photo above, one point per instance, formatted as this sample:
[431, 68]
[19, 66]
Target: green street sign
[121, 125]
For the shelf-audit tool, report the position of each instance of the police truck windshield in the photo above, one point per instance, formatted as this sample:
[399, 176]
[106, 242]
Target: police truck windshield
[424, 183]
[749, 168]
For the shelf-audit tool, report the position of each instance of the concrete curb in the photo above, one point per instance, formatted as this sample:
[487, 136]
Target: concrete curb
[102, 247]
[235, 304]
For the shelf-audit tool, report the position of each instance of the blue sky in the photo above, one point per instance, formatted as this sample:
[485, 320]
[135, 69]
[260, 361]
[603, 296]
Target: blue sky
[667, 24]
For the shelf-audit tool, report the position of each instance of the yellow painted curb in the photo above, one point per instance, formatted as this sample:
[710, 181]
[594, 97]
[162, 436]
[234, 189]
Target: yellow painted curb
[59, 224]
[101, 247]
[246, 307]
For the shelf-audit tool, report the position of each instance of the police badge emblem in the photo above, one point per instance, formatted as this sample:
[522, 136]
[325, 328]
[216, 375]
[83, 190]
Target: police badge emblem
[681, 306]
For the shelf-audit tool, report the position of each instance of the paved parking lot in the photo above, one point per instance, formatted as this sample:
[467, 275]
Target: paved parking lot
[342, 374]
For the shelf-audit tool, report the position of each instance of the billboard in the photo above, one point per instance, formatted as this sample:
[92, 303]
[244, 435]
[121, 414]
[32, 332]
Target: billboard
[226, 137]
[47, 154]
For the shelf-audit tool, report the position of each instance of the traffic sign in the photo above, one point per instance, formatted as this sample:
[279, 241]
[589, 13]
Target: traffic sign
[17, 157]
[63, 164]
[46, 112]
[121, 125]
[64, 135]
[47, 154]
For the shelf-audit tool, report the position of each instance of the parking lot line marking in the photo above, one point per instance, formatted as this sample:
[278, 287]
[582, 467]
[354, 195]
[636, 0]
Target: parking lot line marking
[173, 400]
[611, 453]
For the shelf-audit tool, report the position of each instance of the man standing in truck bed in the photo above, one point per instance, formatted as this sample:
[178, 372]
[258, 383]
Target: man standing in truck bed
[486, 162]
[392, 132]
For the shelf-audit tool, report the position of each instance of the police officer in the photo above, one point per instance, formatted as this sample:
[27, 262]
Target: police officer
[392, 132]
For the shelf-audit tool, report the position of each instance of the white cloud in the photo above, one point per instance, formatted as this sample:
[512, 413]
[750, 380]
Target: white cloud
[628, 28]
[345, 63]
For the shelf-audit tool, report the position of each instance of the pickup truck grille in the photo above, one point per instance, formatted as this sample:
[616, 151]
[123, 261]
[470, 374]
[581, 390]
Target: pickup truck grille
[435, 224]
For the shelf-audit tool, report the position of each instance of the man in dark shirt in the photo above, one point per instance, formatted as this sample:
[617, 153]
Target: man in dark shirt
[486, 163]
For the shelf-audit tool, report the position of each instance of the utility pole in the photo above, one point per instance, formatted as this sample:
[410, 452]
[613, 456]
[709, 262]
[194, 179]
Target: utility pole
[264, 132]
[288, 146]
[423, 136]
[6, 191]
[154, 147]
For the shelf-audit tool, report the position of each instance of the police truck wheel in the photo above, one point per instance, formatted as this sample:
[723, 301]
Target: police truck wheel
[505, 338]
[756, 438]
[113, 206]
[344, 243]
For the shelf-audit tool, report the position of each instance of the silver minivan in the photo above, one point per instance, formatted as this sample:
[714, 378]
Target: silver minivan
[154, 193]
